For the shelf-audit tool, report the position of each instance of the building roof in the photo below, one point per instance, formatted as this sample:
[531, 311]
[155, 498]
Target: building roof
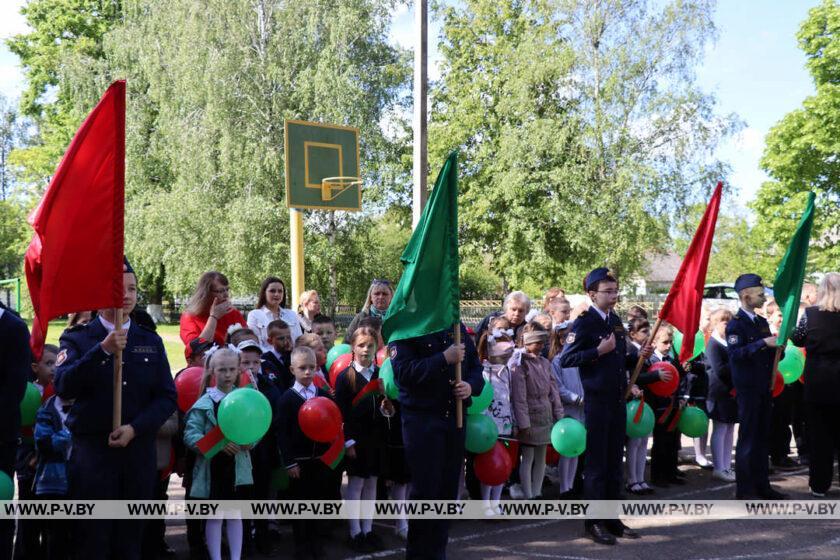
[663, 267]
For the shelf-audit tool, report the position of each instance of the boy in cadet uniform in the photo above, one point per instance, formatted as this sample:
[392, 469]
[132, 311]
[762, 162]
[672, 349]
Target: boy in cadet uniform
[597, 346]
[276, 362]
[424, 369]
[751, 353]
[106, 463]
[15, 361]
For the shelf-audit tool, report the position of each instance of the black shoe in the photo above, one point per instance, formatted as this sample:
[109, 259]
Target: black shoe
[786, 464]
[678, 474]
[358, 543]
[263, 545]
[619, 529]
[772, 494]
[599, 534]
[374, 540]
[677, 481]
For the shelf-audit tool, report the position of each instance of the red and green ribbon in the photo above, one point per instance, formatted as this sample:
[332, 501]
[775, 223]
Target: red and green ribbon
[212, 442]
[335, 453]
[373, 387]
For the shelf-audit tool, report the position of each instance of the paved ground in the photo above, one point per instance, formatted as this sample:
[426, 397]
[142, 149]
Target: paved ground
[563, 540]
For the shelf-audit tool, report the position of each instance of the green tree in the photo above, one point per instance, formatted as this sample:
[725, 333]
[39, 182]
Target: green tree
[802, 151]
[581, 130]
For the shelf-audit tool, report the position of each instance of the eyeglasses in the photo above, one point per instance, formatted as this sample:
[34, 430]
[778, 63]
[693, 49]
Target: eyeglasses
[380, 281]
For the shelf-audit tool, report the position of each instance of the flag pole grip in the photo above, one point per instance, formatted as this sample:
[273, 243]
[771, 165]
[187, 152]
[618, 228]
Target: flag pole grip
[775, 366]
[117, 415]
[641, 361]
[459, 404]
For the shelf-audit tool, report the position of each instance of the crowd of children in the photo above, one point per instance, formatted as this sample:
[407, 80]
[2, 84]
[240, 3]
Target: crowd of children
[287, 363]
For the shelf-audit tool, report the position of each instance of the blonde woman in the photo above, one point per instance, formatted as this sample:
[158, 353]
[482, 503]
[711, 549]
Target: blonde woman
[309, 308]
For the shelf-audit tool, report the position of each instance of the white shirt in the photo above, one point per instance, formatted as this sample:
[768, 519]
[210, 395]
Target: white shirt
[109, 326]
[750, 314]
[305, 392]
[364, 371]
[215, 394]
[258, 321]
[601, 313]
[719, 338]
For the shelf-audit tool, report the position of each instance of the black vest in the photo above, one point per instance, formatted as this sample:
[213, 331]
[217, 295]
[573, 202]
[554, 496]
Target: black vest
[822, 361]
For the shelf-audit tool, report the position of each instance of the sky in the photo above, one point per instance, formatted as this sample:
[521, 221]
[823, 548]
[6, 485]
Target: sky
[754, 68]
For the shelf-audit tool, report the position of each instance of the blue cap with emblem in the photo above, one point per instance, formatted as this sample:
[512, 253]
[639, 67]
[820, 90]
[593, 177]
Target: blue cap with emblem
[127, 266]
[595, 276]
[748, 281]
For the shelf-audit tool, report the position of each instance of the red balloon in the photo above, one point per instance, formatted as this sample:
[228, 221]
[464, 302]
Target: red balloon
[381, 355]
[49, 391]
[494, 466]
[664, 388]
[187, 383]
[778, 385]
[512, 448]
[340, 364]
[320, 419]
[551, 456]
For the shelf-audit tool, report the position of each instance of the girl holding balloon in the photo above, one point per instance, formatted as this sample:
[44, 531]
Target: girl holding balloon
[636, 458]
[571, 392]
[495, 348]
[358, 395]
[227, 475]
[536, 406]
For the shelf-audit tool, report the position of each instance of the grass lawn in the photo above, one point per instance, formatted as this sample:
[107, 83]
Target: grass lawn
[169, 334]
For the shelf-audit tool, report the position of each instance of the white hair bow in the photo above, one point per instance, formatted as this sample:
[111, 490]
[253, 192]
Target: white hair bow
[498, 333]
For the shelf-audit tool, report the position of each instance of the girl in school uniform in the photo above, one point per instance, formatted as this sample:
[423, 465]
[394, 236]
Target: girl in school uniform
[358, 395]
[723, 410]
[570, 388]
[495, 348]
[227, 475]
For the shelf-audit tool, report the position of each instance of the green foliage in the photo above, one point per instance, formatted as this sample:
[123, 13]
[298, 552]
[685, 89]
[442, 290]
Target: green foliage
[580, 127]
[802, 152]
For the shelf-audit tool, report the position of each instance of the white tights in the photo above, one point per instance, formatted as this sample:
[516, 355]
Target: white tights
[722, 435]
[636, 459]
[359, 488]
[213, 535]
[567, 467]
[399, 492]
[532, 469]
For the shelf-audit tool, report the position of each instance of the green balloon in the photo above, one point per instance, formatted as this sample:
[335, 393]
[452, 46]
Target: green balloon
[7, 486]
[244, 416]
[644, 426]
[482, 433]
[29, 405]
[693, 422]
[386, 374]
[335, 352]
[568, 437]
[793, 364]
[699, 343]
[482, 401]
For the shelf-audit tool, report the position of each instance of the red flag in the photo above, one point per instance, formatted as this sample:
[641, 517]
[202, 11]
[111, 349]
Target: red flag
[682, 306]
[75, 259]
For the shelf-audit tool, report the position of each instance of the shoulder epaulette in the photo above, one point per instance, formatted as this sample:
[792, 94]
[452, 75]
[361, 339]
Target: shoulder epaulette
[76, 327]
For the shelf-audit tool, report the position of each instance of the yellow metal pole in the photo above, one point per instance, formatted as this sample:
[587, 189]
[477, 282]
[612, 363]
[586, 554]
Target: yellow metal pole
[296, 249]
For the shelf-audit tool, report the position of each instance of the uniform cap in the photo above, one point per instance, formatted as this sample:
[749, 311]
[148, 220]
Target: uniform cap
[748, 281]
[595, 276]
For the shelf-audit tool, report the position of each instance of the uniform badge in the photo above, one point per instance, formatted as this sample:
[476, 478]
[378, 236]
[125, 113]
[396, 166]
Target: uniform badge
[571, 338]
[392, 351]
[732, 339]
[62, 356]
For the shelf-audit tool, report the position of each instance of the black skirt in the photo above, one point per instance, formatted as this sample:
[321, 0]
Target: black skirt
[369, 458]
[723, 410]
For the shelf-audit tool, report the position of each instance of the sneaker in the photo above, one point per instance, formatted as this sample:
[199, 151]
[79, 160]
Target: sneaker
[702, 462]
[725, 476]
[489, 512]
[516, 492]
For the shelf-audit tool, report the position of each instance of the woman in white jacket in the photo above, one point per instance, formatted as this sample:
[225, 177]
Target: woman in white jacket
[271, 305]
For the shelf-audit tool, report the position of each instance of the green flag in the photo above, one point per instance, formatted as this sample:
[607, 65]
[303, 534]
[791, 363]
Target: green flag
[427, 298]
[787, 288]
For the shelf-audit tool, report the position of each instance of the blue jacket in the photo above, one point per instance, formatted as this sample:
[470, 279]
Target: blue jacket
[603, 377]
[201, 418]
[85, 373]
[52, 440]
[15, 361]
[750, 359]
[424, 377]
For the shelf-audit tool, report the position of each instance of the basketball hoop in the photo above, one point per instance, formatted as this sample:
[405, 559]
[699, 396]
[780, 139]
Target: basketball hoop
[332, 187]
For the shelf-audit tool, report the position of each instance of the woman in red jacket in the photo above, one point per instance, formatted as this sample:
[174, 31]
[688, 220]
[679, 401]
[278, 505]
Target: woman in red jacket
[209, 312]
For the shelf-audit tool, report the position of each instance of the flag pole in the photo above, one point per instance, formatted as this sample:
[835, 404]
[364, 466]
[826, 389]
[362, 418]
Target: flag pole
[117, 416]
[775, 366]
[459, 404]
[641, 361]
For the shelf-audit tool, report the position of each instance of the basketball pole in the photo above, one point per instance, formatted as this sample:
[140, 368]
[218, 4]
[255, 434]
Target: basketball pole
[296, 248]
[420, 152]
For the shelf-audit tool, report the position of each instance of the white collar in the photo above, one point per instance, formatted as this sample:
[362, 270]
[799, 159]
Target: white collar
[636, 344]
[659, 355]
[367, 372]
[109, 326]
[601, 313]
[750, 314]
[305, 392]
[719, 338]
[215, 394]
